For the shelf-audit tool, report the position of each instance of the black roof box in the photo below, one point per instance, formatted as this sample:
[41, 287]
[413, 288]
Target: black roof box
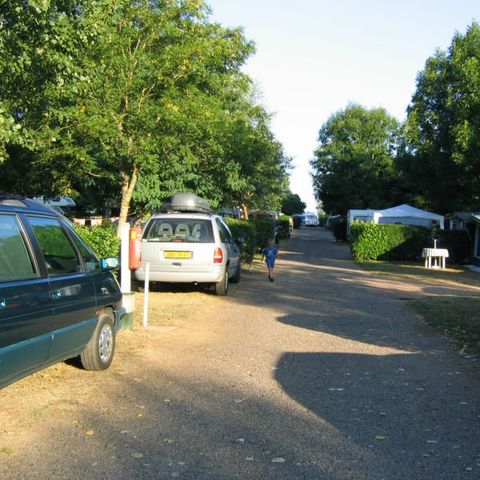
[189, 202]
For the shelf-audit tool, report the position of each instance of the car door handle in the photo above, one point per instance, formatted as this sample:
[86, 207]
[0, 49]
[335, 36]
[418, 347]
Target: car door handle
[57, 294]
[3, 302]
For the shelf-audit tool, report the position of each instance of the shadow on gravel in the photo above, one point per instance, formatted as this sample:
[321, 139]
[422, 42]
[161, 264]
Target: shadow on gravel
[220, 434]
[389, 383]
[390, 404]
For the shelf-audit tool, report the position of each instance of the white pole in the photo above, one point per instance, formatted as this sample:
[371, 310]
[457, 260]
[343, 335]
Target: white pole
[125, 276]
[145, 294]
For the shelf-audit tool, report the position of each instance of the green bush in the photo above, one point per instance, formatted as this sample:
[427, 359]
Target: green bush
[388, 242]
[101, 239]
[339, 227]
[322, 220]
[458, 243]
[246, 230]
[264, 230]
[285, 222]
[297, 221]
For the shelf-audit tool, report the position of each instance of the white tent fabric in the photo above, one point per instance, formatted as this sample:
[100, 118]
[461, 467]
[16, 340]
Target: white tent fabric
[408, 215]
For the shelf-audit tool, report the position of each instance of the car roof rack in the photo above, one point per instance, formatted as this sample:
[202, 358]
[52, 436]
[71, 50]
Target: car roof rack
[13, 200]
[21, 201]
[186, 203]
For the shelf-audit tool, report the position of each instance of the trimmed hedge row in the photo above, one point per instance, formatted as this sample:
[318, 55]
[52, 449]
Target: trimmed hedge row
[405, 242]
[339, 228]
[255, 233]
[284, 223]
[370, 241]
[264, 230]
[101, 239]
[458, 242]
[245, 230]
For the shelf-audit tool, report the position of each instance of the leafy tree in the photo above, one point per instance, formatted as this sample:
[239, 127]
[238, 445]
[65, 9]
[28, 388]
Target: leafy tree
[123, 99]
[292, 203]
[443, 127]
[353, 166]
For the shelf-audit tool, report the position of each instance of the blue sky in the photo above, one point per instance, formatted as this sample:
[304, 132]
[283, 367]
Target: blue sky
[314, 57]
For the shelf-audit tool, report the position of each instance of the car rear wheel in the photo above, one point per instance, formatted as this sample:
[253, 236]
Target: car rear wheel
[221, 287]
[98, 353]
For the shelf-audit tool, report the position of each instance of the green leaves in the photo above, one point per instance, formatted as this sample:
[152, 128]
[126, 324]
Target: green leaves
[443, 126]
[388, 242]
[354, 163]
[114, 93]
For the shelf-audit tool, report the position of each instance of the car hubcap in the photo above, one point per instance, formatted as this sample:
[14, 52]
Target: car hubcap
[105, 343]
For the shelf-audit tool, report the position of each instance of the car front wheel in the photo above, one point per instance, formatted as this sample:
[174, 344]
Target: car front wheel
[98, 353]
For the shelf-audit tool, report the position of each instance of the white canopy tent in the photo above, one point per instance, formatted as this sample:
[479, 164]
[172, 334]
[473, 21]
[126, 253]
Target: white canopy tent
[404, 214]
[408, 215]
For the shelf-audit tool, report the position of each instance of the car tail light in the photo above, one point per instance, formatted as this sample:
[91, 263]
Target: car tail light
[218, 255]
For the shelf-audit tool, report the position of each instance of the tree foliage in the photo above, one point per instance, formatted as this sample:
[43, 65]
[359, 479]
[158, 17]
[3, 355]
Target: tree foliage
[443, 127]
[118, 99]
[292, 203]
[353, 166]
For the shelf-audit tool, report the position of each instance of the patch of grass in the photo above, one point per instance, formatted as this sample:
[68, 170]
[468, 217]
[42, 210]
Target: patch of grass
[456, 317]
[418, 272]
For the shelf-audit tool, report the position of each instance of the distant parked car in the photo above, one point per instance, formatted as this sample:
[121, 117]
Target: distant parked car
[187, 243]
[311, 220]
[57, 299]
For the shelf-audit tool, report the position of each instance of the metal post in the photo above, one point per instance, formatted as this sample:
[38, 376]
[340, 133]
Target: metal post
[125, 275]
[146, 290]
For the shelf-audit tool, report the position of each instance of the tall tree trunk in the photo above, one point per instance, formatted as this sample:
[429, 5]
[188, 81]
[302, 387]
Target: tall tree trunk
[128, 186]
[244, 211]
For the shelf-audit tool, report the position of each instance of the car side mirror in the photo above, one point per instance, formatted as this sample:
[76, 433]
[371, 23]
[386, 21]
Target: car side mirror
[109, 263]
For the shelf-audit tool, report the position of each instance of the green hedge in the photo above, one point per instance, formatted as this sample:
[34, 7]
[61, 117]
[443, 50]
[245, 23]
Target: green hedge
[297, 221]
[339, 227]
[101, 239]
[458, 243]
[285, 222]
[264, 230]
[246, 230]
[405, 242]
[388, 242]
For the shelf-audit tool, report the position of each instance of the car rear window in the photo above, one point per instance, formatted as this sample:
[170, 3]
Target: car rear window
[186, 230]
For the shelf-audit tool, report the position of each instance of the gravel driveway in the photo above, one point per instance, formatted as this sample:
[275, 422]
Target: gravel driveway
[324, 374]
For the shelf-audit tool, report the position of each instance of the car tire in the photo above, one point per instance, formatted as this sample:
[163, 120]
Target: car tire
[236, 275]
[98, 354]
[221, 287]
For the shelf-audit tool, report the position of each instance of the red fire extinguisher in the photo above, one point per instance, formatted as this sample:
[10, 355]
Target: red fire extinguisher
[134, 248]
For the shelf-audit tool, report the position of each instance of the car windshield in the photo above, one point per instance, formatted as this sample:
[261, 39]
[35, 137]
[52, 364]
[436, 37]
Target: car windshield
[186, 230]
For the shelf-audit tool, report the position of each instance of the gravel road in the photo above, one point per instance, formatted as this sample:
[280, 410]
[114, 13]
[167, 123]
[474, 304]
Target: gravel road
[324, 374]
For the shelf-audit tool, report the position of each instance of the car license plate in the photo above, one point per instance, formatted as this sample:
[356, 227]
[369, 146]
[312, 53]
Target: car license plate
[176, 254]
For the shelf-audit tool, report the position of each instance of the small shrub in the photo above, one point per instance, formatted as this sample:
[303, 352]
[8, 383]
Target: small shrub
[322, 220]
[388, 242]
[284, 223]
[339, 228]
[457, 242]
[297, 221]
[264, 230]
[246, 230]
[102, 239]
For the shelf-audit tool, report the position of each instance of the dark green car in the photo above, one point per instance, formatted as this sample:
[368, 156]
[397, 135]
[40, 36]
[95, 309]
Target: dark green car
[57, 299]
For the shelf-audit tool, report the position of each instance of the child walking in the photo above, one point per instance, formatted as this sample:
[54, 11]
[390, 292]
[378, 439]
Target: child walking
[270, 253]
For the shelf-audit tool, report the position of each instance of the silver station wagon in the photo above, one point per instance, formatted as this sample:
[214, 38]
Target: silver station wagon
[189, 244]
